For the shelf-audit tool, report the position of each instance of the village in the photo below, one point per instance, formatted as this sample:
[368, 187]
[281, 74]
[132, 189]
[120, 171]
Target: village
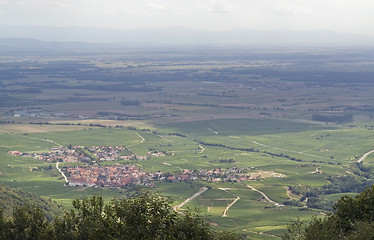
[91, 173]
[109, 176]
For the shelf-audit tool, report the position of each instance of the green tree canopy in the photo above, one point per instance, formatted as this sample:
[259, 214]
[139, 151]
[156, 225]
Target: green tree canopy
[353, 218]
[147, 216]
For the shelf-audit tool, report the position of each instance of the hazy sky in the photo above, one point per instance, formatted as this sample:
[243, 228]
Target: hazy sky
[348, 16]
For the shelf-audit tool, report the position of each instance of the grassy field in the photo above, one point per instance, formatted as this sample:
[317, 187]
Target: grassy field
[251, 214]
[205, 110]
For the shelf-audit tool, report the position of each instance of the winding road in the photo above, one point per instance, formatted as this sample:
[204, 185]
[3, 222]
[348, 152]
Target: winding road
[57, 163]
[231, 204]
[202, 149]
[364, 156]
[266, 197]
[143, 139]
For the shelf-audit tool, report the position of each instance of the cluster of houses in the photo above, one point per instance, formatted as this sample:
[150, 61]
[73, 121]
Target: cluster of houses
[109, 153]
[109, 176]
[57, 155]
[117, 176]
[37, 113]
[124, 175]
[233, 174]
[82, 154]
[94, 174]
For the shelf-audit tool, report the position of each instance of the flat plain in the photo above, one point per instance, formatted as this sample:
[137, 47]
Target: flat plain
[292, 124]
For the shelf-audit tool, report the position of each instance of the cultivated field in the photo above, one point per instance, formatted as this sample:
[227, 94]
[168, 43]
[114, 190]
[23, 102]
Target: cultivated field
[252, 140]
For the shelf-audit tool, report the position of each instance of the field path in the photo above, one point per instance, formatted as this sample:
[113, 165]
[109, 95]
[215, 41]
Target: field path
[202, 149]
[262, 233]
[202, 190]
[45, 140]
[318, 170]
[231, 204]
[365, 155]
[215, 132]
[266, 197]
[169, 164]
[62, 173]
[143, 139]
[170, 140]
[282, 149]
[57, 163]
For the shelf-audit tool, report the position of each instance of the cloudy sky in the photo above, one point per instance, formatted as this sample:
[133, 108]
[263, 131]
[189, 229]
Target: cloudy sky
[347, 16]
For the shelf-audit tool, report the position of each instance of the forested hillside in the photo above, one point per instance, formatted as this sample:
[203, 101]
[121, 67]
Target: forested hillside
[146, 216]
[16, 197]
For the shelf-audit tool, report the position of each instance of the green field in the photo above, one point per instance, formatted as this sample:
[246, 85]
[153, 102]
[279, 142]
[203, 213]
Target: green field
[274, 116]
[251, 213]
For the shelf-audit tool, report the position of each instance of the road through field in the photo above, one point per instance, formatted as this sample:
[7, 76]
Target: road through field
[266, 197]
[282, 149]
[231, 204]
[143, 139]
[62, 173]
[54, 142]
[202, 190]
[45, 140]
[365, 155]
[202, 149]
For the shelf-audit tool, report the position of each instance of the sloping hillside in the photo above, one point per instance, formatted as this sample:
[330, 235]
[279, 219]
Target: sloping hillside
[12, 197]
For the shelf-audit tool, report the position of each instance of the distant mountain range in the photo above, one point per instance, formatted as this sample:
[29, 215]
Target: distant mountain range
[184, 36]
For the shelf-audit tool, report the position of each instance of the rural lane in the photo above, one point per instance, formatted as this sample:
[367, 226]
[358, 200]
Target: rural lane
[231, 204]
[202, 190]
[62, 173]
[266, 197]
[364, 156]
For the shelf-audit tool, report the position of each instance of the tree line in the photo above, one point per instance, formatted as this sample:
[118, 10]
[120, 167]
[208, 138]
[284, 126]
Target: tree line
[146, 216]
[352, 219]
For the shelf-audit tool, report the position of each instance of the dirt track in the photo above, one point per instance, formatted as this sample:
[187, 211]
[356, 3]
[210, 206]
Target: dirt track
[266, 197]
[202, 190]
[364, 156]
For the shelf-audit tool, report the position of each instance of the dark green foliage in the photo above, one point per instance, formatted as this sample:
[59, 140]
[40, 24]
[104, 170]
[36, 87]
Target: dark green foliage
[13, 197]
[338, 118]
[146, 216]
[28, 223]
[127, 102]
[353, 218]
[359, 209]
[338, 184]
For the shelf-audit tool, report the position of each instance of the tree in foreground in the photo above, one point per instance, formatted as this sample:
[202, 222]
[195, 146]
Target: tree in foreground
[353, 218]
[146, 216]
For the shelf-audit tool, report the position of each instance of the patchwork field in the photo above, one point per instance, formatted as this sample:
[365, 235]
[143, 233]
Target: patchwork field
[251, 139]
[251, 207]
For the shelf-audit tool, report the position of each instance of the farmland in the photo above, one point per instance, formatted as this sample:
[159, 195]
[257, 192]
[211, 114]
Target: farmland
[291, 124]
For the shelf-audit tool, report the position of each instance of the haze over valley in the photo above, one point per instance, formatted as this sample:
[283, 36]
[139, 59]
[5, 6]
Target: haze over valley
[253, 114]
